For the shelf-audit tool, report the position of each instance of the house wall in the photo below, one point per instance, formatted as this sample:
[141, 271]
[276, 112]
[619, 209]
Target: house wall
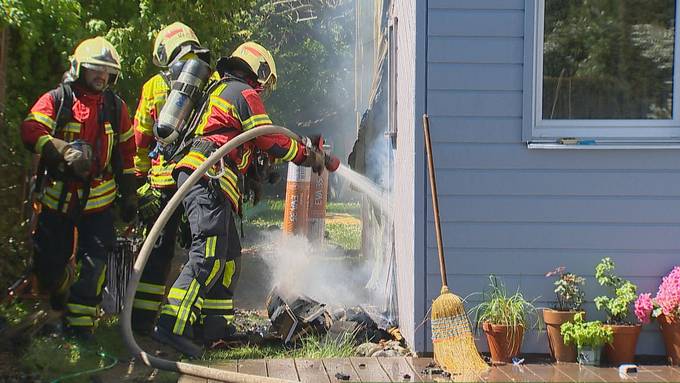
[505, 209]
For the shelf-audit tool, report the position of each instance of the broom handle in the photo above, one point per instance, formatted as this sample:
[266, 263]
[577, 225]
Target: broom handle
[435, 200]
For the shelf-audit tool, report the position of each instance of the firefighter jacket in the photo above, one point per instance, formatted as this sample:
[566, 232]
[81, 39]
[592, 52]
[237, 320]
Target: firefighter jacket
[154, 93]
[85, 124]
[235, 107]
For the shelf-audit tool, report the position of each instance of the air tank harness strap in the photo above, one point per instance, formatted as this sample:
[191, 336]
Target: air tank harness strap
[207, 148]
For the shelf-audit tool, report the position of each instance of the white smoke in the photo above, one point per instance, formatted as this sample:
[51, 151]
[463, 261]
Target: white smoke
[323, 273]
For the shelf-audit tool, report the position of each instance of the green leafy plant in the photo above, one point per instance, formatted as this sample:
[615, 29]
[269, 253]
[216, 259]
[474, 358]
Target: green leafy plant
[568, 289]
[500, 308]
[586, 334]
[617, 307]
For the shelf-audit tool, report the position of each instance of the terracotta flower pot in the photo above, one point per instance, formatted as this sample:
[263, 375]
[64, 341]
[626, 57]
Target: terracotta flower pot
[553, 319]
[622, 348]
[671, 338]
[504, 341]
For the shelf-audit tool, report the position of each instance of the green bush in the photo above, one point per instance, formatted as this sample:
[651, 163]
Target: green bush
[586, 334]
[625, 292]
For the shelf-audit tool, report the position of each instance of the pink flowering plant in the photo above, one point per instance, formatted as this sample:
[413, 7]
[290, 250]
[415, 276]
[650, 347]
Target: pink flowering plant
[666, 301]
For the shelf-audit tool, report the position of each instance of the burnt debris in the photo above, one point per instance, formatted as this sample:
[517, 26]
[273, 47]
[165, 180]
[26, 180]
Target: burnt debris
[294, 317]
[301, 316]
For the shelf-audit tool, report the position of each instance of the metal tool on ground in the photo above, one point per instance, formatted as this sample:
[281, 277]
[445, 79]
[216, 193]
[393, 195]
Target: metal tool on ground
[454, 346]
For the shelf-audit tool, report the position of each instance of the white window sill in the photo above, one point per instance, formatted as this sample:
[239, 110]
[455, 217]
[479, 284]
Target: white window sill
[593, 145]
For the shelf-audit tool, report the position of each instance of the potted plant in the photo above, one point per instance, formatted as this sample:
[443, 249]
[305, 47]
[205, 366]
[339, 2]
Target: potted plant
[569, 294]
[503, 319]
[665, 308]
[622, 348]
[588, 337]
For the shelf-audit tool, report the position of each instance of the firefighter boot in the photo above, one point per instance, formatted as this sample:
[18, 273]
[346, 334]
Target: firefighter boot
[181, 343]
[216, 328]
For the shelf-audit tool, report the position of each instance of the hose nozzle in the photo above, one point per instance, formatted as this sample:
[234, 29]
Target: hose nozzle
[331, 162]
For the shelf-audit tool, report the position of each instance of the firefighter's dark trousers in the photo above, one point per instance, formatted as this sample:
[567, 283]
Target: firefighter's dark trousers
[204, 289]
[53, 246]
[151, 289]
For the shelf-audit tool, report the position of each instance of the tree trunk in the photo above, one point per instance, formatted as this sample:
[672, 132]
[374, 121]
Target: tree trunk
[4, 47]
[4, 43]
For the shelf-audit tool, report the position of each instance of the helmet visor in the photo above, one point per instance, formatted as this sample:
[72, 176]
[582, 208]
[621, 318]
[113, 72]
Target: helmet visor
[101, 68]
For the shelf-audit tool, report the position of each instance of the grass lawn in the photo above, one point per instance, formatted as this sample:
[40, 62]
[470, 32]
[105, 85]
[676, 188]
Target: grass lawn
[54, 358]
[59, 359]
[309, 347]
[343, 227]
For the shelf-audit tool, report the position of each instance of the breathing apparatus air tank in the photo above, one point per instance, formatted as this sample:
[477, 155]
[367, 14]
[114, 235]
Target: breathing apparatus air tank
[185, 93]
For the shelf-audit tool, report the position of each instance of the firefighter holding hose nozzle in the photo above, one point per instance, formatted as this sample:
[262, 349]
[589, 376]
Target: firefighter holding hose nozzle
[202, 294]
[174, 45]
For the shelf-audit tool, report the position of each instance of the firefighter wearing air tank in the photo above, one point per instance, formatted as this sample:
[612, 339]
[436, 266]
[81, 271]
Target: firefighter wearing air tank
[82, 131]
[205, 286]
[173, 45]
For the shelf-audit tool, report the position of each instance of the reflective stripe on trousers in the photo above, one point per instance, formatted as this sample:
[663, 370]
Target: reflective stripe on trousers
[215, 245]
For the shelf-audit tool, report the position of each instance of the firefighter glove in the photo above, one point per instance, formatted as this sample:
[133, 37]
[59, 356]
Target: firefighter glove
[128, 193]
[315, 159]
[78, 157]
[53, 156]
[53, 151]
[149, 203]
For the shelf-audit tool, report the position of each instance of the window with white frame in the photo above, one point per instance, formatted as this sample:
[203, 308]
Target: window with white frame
[603, 69]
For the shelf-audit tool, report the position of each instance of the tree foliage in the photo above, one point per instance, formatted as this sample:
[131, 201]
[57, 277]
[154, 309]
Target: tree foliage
[608, 59]
[313, 61]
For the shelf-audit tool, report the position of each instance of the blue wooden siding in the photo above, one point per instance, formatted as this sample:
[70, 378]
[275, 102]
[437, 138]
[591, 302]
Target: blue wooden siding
[517, 212]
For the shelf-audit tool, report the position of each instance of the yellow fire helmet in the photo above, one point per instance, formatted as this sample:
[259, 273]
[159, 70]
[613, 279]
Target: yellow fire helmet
[260, 62]
[97, 54]
[169, 41]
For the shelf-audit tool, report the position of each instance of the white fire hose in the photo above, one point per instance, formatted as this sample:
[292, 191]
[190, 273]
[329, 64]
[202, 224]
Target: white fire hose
[176, 366]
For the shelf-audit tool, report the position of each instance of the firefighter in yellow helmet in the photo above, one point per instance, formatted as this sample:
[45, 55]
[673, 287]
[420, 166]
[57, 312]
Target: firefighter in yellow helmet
[204, 289]
[82, 131]
[173, 45]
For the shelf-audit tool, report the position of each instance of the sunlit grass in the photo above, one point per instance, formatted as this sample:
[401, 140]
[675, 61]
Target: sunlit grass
[14, 313]
[269, 214]
[347, 236]
[310, 346]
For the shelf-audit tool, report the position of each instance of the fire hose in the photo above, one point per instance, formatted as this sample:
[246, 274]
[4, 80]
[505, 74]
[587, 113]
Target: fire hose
[168, 210]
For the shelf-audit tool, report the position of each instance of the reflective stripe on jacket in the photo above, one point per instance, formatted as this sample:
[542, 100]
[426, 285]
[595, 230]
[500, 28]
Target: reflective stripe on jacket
[36, 131]
[154, 93]
[235, 107]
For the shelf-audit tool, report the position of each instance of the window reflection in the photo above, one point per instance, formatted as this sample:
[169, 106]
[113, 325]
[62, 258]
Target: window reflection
[608, 59]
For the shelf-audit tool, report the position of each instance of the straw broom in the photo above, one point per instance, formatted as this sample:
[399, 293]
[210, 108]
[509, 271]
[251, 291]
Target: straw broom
[454, 346]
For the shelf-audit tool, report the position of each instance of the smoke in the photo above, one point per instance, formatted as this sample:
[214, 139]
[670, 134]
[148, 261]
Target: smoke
[326, 274]
[323, 273]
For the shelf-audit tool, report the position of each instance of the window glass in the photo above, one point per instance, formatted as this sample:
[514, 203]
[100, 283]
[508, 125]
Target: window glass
[608, 59]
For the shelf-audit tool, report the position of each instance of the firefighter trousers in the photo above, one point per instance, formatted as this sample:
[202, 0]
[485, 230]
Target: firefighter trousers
[151, 289]
[53, 246]
[204, 290]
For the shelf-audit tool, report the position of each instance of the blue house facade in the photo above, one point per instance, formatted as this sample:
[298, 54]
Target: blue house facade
[540, 163]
